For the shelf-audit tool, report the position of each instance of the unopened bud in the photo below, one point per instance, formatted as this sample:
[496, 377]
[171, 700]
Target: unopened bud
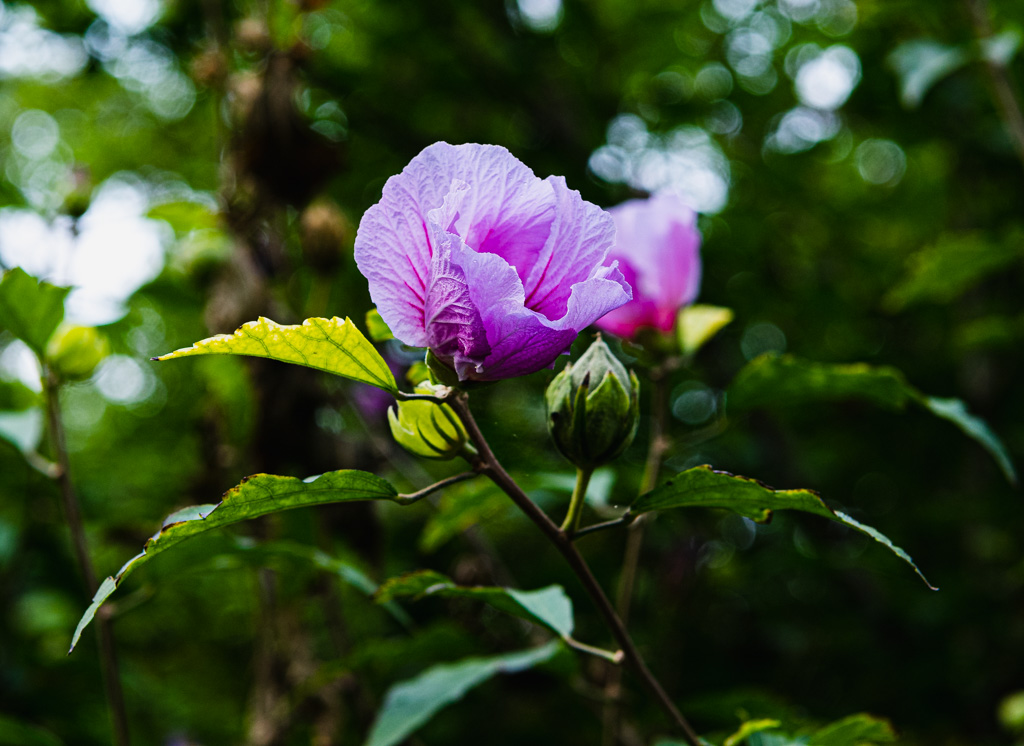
[427, 428]
[75, 351]
[593, 408]
[324, 231]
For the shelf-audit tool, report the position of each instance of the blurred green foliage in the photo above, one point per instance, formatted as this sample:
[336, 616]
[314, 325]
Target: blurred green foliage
[861, 199]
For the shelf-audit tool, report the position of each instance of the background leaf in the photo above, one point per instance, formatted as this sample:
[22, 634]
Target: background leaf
[256, 496]
[29, 309]
[410, 704]
[854, 731]
[772, 380]
[703, 487]
[331, 345]
[699, 323]
[548, 607]
[944, 271]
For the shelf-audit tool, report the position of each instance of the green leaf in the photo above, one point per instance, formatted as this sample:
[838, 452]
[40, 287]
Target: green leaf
[956, 412]
[185, 217]
[379, 331]
[256, 496]
[29, 309]
[943, 272]
[410, 704]
[17, 733]
[332, 345]
[698, 323]
[23, 429]
[1001, 48]
[781, 380]
[703, 487]
[748, 728]
[347, 572]
[920, 64]
[17, 397]
[854, 730]
[548, 607]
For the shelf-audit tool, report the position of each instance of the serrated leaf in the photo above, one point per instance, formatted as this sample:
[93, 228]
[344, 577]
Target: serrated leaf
[749, 728]
[256, 496]
[331, 345]
[548, 607]
[942, 272]
[699, 323]
[855, 730]
[782, 380]
[920, 64]
[410, 704]
[377, 327]
[772, 380]
[704, 487]
[956, 412]
[29, 309]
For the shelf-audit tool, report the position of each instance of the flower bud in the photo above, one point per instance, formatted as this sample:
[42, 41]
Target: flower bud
[426, 428]
[75, 351]
[324, 231]
[593, 408]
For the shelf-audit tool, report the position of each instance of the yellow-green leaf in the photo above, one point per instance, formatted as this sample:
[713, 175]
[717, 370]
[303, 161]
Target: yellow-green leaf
[332, 345]
[699, 323]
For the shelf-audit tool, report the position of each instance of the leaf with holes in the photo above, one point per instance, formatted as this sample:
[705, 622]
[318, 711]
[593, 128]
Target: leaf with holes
[703, 487]
[332, 345]
[256, 496]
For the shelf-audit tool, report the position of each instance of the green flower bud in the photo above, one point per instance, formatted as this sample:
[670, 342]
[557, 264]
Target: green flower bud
[428, 429]
[75, 351]
[593, 408]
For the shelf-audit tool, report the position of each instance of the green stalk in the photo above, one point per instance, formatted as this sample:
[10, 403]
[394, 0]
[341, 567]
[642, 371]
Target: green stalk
[571, 524]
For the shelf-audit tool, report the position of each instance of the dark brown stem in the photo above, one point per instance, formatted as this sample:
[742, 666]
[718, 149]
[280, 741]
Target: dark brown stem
[488, 464]
[76, 527]
[634, 541]
[1002, 88]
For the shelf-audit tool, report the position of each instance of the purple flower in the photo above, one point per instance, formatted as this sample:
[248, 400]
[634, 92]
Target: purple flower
[658, 248]
[496, 271]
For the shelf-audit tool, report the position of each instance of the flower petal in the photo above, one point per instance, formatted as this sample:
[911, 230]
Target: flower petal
[455, 331]
[580, 238]
[507, 210]
[522, 340]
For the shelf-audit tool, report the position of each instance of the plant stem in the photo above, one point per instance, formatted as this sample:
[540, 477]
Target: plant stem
[76, 527]
[1006, 100]
[634, 541]
[571, 524]
[488, 464]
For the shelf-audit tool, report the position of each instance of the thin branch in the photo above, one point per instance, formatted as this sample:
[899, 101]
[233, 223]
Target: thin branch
[624, 520]
[1006, 100]
[489, 465]
[76, 527]
[659, 445]
[427, 491]
[582, 647]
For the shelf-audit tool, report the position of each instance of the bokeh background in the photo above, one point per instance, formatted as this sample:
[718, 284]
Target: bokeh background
[189, 165]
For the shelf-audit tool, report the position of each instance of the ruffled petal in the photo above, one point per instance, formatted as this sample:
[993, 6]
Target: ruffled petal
[455, 331]
[522, 340]
[580, 238]
[507, 211]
